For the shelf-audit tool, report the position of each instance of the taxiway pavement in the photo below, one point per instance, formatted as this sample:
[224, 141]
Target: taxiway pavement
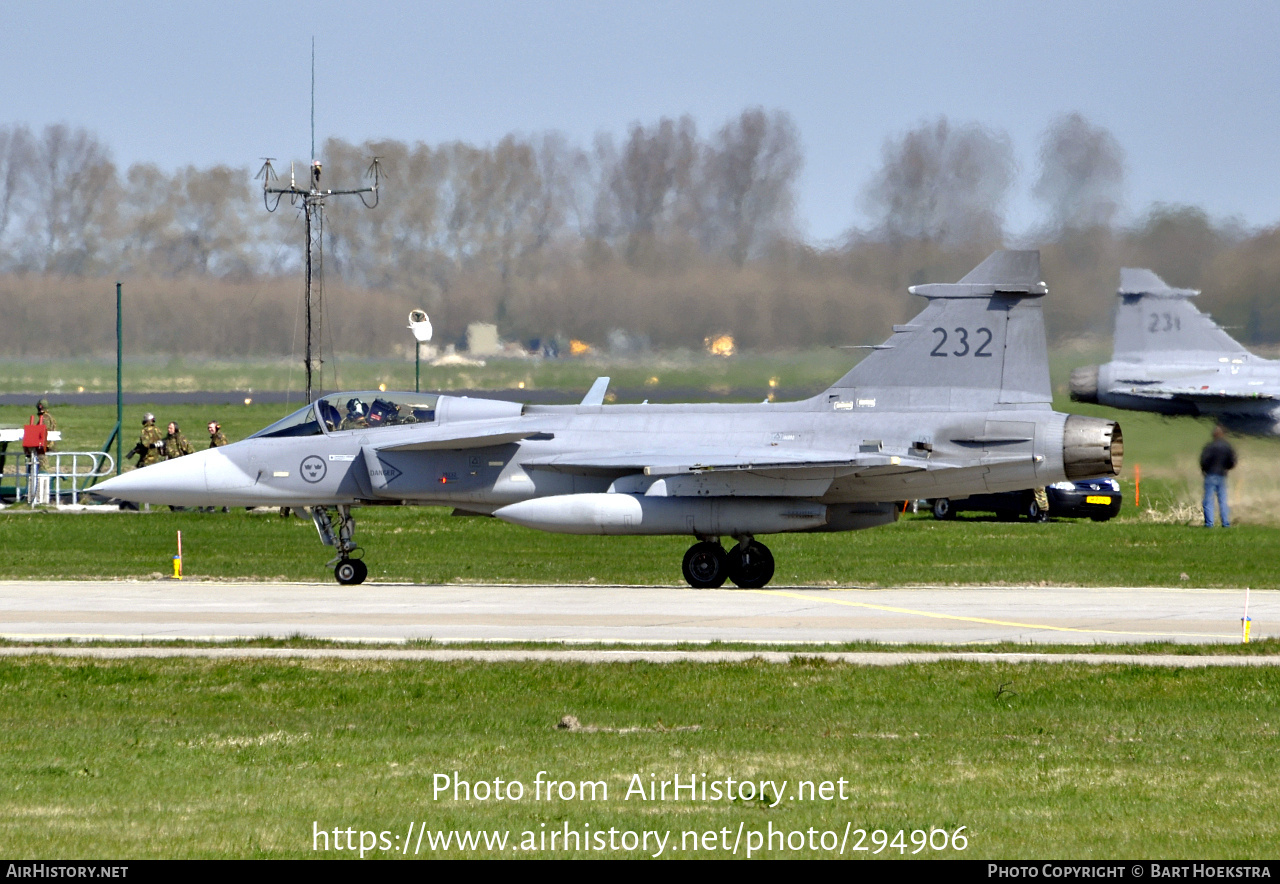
[157, 610]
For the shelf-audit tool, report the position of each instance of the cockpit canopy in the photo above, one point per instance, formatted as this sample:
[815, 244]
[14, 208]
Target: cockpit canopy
[369, 410]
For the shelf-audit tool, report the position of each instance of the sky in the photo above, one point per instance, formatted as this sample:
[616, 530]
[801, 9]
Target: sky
[1191, 90]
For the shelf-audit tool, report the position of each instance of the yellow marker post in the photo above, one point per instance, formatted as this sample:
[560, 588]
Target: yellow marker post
[177, 560]
[1246, 621]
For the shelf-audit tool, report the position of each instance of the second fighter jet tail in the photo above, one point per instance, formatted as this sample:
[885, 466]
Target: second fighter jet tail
[1154, 320]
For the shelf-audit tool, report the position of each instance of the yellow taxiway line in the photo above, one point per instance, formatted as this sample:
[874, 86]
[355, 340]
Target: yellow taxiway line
[988, 621]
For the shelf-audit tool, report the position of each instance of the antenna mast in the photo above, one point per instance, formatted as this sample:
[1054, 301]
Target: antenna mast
[312, 199]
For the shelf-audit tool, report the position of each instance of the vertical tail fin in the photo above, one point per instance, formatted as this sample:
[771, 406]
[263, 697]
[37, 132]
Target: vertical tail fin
[980, 342]
[1155, 318]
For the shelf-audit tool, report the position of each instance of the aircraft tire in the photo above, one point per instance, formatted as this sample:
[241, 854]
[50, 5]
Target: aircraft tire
[1035, 514]
[706, 565]
[350, 572]
[751, 568]
[942, 509]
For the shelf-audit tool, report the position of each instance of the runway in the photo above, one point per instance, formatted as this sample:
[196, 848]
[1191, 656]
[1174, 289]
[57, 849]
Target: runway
[158, 610]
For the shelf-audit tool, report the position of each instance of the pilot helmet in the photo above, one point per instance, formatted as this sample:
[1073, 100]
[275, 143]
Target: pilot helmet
[355, 406]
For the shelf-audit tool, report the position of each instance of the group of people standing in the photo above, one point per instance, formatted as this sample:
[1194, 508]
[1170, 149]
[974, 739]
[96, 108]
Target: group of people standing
[153, 446]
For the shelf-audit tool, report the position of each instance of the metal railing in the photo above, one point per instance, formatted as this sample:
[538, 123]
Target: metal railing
[71, 474]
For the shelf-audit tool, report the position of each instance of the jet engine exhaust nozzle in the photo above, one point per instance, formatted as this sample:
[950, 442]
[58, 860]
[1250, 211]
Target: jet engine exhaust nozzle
[1091, 447]
[1084, 384]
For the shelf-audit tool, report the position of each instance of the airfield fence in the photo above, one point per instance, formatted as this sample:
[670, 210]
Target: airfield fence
[71, 475]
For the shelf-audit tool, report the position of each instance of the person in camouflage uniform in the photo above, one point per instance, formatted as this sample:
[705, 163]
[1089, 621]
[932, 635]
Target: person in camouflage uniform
[176, 444]
[150, 447]
[1042, 501]
[44, 417]
[217, 438]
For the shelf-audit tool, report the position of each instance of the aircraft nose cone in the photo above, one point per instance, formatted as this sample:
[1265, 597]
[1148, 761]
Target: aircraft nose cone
[177, 482]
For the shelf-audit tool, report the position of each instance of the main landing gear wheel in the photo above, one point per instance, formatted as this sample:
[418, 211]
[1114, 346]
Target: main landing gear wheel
[750, 565]
[706, 565]
[351, 571]
[942, 509]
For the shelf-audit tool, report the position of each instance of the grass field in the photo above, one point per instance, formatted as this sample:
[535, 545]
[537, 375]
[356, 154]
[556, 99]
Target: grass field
[803, 372]
[430, 546]
[810, 370]
[196, 758]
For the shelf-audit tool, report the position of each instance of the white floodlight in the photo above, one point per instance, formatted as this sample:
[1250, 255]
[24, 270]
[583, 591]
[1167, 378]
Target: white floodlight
[420, 325]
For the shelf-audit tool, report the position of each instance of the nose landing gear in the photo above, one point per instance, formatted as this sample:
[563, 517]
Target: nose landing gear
[749, 564]
[347, 570]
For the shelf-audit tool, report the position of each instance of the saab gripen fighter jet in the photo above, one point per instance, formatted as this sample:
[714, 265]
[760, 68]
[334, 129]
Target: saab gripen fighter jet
[954, 403]
[1170, 358]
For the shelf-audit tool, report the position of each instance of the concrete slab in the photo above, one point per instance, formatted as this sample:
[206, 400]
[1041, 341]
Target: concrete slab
[49, 610]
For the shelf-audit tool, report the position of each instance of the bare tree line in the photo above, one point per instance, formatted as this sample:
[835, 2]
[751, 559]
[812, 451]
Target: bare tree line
[664, 233]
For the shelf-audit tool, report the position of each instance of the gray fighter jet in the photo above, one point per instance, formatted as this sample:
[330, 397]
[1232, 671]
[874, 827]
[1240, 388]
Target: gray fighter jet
[955, 403]
[1170, 358]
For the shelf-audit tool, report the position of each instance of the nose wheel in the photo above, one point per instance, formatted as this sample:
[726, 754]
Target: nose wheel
[351, 571]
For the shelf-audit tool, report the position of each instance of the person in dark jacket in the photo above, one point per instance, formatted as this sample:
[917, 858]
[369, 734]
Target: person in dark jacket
[1216, 460]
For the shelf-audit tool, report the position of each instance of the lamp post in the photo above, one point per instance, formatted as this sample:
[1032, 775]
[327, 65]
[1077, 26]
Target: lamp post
[119, 382]
[420, 325]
